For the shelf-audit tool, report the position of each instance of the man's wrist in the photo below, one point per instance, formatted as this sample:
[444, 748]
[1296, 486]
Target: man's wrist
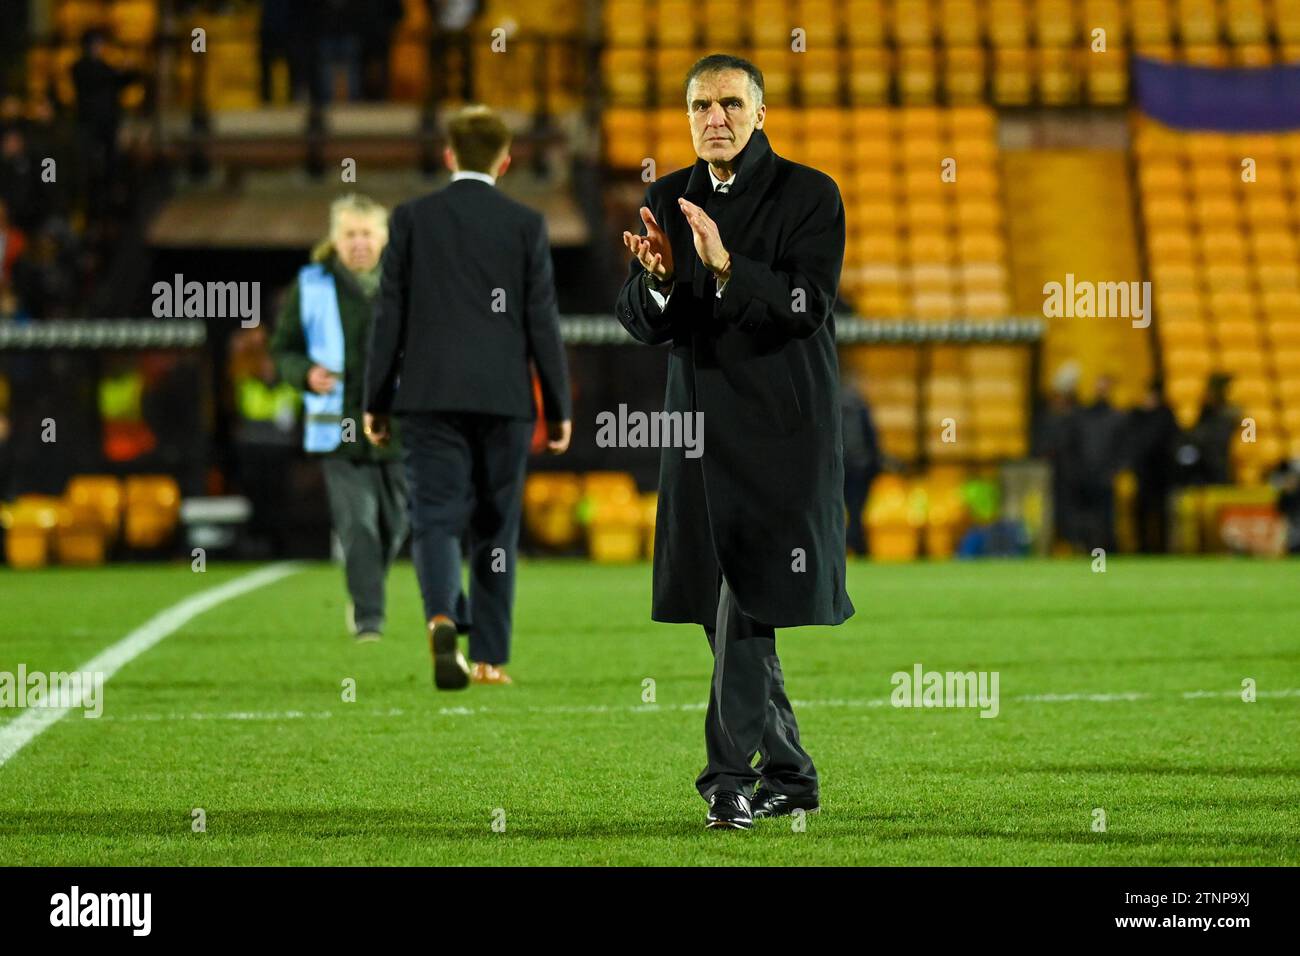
[723, 272]
[655, 284]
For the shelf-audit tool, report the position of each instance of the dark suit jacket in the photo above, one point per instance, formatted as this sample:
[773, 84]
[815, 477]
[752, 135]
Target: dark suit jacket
[466, 301]
[764, 503]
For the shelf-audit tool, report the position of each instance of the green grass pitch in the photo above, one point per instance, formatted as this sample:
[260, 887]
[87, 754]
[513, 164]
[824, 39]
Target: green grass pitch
[1119, 690]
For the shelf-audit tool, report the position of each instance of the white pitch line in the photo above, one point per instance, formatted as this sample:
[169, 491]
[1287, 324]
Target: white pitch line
[273, 715]
[31, 723]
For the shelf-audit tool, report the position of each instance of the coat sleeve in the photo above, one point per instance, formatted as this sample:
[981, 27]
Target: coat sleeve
[542, 326]
[288, 344]
[793, 296]
[637, 310]
[388, 330]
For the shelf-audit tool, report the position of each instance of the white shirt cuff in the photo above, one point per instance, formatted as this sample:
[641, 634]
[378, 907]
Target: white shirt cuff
[660, 298]
[722, 285]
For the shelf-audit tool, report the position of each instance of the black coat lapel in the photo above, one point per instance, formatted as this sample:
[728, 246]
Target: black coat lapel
[754, 170]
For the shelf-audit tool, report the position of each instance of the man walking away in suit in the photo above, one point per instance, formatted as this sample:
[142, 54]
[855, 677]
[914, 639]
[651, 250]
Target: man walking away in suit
[466, 304]
[737, 266]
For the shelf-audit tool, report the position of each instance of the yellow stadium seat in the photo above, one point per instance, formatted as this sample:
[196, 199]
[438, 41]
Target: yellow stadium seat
[102, 495]
[1284, 303]
[980, 246]
[960, 23]
[29, 524]
[929, 247]
[674, 22]
[722, 28]
[983, 276]
[1242, 361]
[152, 510]
[991, 304]
[1150, 22]
[916, 74]
[1230, 304]
[625, 72]
[1008, 23]
[911, 23]
[1246, 390]
[770, 23]
[627, 136]
[79, 536]
[1233, 276]
[1180, 276]
[1161, 176]
[1237, 334]
[963, 71]
[1212, 210]
[134, 22]
[864, 23]
[923, 214]
[1285, 334]
[671, 65]
[1179, 304]
[819, 77]
[1187, 333]
[626, 22]
[1222, 242]
[1188, 362]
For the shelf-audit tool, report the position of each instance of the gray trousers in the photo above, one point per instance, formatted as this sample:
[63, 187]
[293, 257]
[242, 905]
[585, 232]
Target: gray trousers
[368, 510]
[749, 712]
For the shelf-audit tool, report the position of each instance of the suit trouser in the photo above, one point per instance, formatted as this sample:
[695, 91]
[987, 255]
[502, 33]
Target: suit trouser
[368, 511]
[749, 712]
[466, 473]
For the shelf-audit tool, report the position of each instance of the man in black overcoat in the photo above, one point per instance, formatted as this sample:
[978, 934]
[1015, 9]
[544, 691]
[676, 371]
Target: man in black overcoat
[736, 268]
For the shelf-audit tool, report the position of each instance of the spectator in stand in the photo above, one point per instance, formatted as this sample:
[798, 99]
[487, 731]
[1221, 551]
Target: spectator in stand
[452, 20]
[1053, 441]
[19, 178]
[861, 457]
[49, 283]
[1152, 437]
[1286, 479]
[99, 116]
[1098, 437]
[376, 44]
[11, 307]
[1212, 436]
[276, 42]
[11, 111]
[341, 24]
[6, 446]
[13, 243]
[265, 437]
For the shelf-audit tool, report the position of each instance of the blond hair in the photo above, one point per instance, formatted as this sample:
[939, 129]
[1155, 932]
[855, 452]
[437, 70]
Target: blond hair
[351, 203]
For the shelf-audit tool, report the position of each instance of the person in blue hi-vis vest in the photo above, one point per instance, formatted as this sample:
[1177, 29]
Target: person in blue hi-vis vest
[319, 345]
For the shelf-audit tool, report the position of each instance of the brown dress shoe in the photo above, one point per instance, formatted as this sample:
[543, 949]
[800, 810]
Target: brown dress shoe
[489, 674]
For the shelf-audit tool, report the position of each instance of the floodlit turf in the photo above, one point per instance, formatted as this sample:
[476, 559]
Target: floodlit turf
[240, 713]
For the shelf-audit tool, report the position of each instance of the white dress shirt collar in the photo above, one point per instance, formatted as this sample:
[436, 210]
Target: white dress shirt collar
[470, 174]
[719, 182]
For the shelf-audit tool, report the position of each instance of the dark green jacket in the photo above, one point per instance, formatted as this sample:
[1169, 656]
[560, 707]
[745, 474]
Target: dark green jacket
[289, 349]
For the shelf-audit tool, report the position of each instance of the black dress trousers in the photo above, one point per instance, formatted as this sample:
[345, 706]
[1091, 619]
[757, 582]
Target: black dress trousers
[749, 713]
[466, 474]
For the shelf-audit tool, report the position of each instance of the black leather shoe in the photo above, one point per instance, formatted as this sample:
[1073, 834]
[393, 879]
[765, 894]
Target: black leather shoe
[768, 803]
[729, 811]
[450, 669]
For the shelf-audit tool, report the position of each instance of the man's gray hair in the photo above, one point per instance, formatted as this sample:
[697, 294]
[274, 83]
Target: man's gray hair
[719, 62]
[351, 203]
